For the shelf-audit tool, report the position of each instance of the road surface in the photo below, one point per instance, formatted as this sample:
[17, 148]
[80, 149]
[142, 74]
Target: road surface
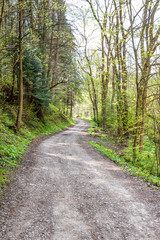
[65, 190]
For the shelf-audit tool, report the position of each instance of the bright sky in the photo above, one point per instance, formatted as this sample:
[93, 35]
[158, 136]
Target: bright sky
[76, 10]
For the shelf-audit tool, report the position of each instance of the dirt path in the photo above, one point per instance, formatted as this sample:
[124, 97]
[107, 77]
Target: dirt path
[67, 191]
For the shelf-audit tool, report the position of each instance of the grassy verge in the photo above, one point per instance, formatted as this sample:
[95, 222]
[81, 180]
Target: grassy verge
[13, 145]
[140, 168]
[127, 165]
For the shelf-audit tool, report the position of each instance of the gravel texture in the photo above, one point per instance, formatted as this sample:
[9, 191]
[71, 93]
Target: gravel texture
[65, 190]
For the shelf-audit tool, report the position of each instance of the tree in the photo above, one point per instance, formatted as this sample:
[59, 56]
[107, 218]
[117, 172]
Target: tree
[20, 110]
[34, 41]
[104, 25]
[2, 12]
[144, 51]
[88, 62]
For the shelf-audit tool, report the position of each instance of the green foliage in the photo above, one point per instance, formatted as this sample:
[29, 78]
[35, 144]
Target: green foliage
[137, 171]
[94, 130]
[144, 166]
[37, 86]
[13, 144]
[48, 55]
[145, 159]
[87, 119]
[92, 127]
[111, 116]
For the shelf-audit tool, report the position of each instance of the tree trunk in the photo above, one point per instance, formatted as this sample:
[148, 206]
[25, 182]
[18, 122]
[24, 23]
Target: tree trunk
[20, 110]
[104, 94]
[51, 46]
[71, 109]
[95, 104]
[143, 108]
[92, 101]
[56, 56]
[113, 94]
[2, 12]
[13, 83]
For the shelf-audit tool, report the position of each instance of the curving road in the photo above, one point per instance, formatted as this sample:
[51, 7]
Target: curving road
[65, 190]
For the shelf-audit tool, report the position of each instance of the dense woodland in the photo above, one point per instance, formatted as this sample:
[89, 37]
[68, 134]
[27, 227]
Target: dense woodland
[108, 50]
[37, 55]
[121, 66]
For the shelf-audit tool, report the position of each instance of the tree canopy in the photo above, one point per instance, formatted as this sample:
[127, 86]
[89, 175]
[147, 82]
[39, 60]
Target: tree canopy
[105, 52]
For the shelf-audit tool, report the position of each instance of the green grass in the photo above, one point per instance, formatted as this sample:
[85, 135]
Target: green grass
[96, 131]
[137, 171]
[143, 166]
[145, 159]
[86, 119]
[14, 144]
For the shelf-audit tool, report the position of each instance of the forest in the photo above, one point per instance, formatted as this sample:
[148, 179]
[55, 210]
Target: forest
[120, 63]
[95, 58]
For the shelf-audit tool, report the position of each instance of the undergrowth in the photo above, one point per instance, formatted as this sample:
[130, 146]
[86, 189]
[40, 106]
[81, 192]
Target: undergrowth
[142, 167]
[13, 144]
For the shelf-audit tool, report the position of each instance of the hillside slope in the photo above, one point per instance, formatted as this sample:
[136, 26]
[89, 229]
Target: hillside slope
[13, 144]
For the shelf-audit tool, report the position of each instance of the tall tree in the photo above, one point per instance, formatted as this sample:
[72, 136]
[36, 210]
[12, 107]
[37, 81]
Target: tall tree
[106, 38]
[144, 52]
[20, 83]
[2, 12]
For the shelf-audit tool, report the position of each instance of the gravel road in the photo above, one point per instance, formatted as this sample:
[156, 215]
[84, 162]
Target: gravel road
[65, 190]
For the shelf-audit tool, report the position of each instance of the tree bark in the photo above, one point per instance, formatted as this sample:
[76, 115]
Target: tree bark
[56, 56]
[104, 93]
[20, 110]
[2, 12]
[113, 93]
